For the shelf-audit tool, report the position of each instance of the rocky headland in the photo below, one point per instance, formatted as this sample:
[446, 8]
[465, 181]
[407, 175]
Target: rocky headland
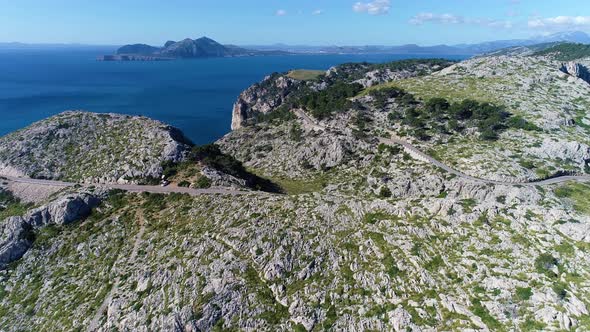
[367, 233]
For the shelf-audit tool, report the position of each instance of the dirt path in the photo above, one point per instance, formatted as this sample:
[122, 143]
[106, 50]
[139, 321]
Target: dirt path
[136, 187]
[94, 324]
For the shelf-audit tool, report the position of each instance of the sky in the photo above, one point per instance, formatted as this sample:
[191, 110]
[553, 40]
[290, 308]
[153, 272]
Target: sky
[309, 22]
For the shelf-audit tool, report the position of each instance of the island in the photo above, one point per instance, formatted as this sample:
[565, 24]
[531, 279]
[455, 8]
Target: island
[185, 49]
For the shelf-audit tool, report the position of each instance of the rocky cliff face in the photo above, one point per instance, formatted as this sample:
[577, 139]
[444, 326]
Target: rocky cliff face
[262, 98]
[88, 147]
[576, 70]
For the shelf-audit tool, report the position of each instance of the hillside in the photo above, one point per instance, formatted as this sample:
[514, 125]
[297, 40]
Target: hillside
[371, 233]
[88, 147]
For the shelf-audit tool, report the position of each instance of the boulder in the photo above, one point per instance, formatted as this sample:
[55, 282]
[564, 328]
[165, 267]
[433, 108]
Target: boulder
[17, 233]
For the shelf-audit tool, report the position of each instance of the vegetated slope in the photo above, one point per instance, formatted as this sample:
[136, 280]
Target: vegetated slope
[278, 93]
[88, 147]
[566, 51]
[367, 239]
[553, 137]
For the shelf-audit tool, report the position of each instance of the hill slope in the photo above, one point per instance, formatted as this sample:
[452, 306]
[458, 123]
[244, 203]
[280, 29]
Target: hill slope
[89, 147]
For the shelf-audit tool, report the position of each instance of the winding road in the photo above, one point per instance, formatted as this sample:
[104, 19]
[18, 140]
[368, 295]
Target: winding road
[134, 187]
[312, 124]
[418, 154]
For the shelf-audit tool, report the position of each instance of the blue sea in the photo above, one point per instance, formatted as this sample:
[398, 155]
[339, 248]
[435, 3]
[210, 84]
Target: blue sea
[193, 95]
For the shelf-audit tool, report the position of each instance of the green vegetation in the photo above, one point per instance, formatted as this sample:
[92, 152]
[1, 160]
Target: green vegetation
[322, 104]
[381, 97]
[211, 156]
[480, 310]
[545, 263]
[560, 289]
[374, 217]
[567, 51]
[523, 293]
[355, 71]
[280, 115]
[438, 115]
[578, 193]
[385, 192]
[203, 182]
[305, 75]
[11, 206]
[296, 186]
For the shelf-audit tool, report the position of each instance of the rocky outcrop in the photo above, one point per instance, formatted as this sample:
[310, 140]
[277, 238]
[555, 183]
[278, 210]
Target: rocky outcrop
[88, 147]
[17, 233]
[220, 179]
[576, 153]
[16, 237]
[576, 70]
[262, 98]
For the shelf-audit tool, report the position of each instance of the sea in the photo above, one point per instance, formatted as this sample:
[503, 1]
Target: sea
[194, 95]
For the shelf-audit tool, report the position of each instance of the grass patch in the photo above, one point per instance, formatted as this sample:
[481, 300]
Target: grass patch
[578, 193]
[480, 310]
[373, 217]
[305, 74]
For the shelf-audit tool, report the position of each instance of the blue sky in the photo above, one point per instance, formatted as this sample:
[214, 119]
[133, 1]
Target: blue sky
[312, 22]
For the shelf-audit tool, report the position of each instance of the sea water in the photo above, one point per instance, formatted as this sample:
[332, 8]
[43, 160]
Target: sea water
[194, 95]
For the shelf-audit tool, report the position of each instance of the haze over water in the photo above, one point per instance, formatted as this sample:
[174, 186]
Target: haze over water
[193, 95]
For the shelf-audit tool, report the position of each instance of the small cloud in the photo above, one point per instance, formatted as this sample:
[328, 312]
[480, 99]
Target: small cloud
[376, 7]
[423, 18]
[317, 12]
[436, 18]
[560, 22]
[281, 12]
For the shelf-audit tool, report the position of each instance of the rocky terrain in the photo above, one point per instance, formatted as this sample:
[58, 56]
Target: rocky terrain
[367, 235]
[87, 147]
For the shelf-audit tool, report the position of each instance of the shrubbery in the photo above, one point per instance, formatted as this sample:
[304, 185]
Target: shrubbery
[211, 156]
[324, 103]
[567, 51]
[438, 115]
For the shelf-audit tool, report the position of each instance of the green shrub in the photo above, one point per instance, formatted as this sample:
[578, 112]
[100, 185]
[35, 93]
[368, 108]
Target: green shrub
[185, 184]
[523, 294]
[545, 263]
[322, 104]
[385, 192]
[479, 310]
[560, 290]
[203, 182]
[517, 122]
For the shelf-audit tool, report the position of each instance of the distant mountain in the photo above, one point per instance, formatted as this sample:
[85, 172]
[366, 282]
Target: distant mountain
[460, 49]
[570, 36]
[185, 49]
[140, 49]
